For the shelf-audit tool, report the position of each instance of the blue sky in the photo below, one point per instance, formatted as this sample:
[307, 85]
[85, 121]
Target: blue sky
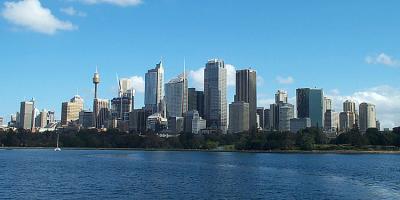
[49, 48]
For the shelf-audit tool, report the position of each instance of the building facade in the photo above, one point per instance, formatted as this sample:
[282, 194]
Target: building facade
[196, 101]
[310, 104]
[286, 113]
[154, 88]
[215, 103]
[367, 116]
[298, 124]
[70, 110]
[239, 117]
[27, 115]
[246, 91]
[176, 96]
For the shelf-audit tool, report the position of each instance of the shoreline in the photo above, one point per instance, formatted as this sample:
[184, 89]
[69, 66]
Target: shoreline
[216, 150]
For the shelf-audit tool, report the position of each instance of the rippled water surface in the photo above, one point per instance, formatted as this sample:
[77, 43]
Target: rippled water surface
[92, 174]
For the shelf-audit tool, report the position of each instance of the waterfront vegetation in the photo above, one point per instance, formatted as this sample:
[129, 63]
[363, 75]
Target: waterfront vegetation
[308, 139]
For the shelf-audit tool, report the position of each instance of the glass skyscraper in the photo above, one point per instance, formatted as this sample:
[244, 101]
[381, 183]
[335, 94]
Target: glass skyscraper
[310, 104]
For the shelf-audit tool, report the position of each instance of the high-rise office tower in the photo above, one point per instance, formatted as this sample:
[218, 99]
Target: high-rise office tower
[327, 104]
[246, 91]
[281, 96]
[332, 122]
[70, 110]
[215, 94]
[274, 117]
[27, 115]
[310, 104]
[260, 113]
[122, 105]
[286, 113]
[346, 121]
[176, 96]
[196, 101]
[138, 120]
[86, 119]
[349, 106]
[267, 115]
[1, 121]
[101, 109]
[154, 88]
[367, 117]
[41, 120]
[239, 117]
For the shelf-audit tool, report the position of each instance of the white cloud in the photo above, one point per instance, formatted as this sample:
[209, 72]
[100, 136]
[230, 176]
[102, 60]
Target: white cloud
[230, 75]
[385, 98]
[198, 78]
[73, 12]
[123, 3]
[138, 83]
[382, 59]
[31, 15]
[283, 80]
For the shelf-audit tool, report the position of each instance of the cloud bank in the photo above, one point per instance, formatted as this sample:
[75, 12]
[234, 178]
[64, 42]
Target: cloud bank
[30, 14]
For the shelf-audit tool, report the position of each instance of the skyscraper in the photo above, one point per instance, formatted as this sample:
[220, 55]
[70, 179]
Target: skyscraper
[286, 113]
[367, 117]
[154, 88]
[70, 110]
[41, 119]
[346, 121]
[327, 104]
[260, 113]
[196, 101]
[122, 105]
[101, 108]
[215, 94]
[246, 91]
[27, 115]
[176, 96]
[281, 96]
[349, 106]
[239, 117]
[332, 120]
[310, 104]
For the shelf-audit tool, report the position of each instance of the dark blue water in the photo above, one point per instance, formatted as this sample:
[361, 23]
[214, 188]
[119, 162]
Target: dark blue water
[73, 174]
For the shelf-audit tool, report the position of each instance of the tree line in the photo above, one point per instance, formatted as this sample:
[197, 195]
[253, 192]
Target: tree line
[307, 139]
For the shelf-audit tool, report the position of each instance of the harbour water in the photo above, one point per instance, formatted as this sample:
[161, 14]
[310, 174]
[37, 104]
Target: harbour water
[124, 174]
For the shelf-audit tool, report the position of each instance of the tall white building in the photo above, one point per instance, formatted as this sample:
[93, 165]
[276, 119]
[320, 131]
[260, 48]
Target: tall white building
[215, 95]
[176, 96]
[154, 88]
[281, 96]
[286, 113]
[367, 116]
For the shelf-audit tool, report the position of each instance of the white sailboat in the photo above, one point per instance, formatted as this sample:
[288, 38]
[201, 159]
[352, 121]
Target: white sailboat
[57, 148]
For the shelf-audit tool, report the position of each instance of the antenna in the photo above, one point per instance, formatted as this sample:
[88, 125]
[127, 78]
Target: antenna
[96, 69]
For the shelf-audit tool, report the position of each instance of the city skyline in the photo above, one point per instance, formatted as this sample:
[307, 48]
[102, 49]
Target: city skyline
[51, 66]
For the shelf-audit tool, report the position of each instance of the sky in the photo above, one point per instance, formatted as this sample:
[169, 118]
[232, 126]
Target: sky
[49, 49]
